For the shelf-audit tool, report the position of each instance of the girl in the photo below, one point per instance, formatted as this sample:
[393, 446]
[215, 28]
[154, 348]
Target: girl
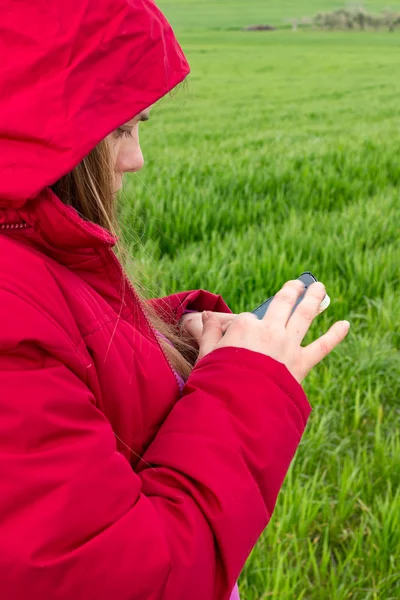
[141, 450]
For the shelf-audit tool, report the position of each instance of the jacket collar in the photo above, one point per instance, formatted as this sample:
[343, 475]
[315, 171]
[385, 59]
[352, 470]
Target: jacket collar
[56, 225]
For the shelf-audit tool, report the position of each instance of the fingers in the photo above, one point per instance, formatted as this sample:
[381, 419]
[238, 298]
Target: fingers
[225, 317]
[300, 321]
[226, 321]
[318, 350]
[283, 302]
[212, 333]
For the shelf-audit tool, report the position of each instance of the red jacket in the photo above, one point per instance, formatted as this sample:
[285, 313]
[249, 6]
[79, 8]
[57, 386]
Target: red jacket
[111, 486]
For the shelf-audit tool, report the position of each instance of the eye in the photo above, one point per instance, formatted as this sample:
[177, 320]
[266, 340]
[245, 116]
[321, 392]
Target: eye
[121, 132]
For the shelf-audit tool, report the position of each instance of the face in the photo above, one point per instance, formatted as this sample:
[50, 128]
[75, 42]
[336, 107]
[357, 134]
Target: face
[125, 148]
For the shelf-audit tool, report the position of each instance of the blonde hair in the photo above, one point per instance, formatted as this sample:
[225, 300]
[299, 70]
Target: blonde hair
[89, 189]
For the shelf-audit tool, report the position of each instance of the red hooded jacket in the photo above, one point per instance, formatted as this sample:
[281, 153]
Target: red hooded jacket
[111, 485]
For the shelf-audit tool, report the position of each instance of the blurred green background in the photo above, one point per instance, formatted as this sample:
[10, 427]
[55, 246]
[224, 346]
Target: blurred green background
[281, 155]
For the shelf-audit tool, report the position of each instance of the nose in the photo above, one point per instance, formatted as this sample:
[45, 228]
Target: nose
[137, 161]
[131, 161]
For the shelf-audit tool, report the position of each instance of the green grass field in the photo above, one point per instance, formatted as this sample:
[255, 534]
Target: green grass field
[231, 14]
[283, 155]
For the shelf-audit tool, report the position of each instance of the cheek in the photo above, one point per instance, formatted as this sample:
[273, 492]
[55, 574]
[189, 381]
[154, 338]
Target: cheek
[113, 146]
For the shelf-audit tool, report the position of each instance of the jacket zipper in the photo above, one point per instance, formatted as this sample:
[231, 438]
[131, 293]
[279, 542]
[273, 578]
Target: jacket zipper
[152, 329]
[14, 226]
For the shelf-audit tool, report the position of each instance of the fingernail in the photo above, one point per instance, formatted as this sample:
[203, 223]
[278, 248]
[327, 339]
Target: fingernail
[347, 324]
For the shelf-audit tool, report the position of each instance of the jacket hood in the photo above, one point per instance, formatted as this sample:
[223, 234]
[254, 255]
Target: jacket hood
[72, 72]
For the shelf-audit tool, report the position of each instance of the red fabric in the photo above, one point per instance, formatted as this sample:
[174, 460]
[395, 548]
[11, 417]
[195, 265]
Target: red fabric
[110, 485]
[171, 308]
[70, 73]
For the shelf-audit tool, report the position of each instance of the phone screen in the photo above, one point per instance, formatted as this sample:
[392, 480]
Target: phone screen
[308, 279]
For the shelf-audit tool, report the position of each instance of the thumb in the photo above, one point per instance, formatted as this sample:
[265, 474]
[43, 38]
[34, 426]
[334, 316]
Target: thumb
[212, 333]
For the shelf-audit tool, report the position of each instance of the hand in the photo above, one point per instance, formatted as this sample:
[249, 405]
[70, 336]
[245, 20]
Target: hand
[193, 324]
[278, 334]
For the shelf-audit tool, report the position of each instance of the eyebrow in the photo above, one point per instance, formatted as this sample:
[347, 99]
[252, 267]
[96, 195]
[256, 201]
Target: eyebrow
[144, 116]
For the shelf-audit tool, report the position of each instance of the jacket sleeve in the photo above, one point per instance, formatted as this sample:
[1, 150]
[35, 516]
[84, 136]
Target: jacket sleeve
[171, 308]
[76, 522]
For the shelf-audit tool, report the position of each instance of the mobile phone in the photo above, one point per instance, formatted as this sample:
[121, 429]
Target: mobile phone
[308, 279]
